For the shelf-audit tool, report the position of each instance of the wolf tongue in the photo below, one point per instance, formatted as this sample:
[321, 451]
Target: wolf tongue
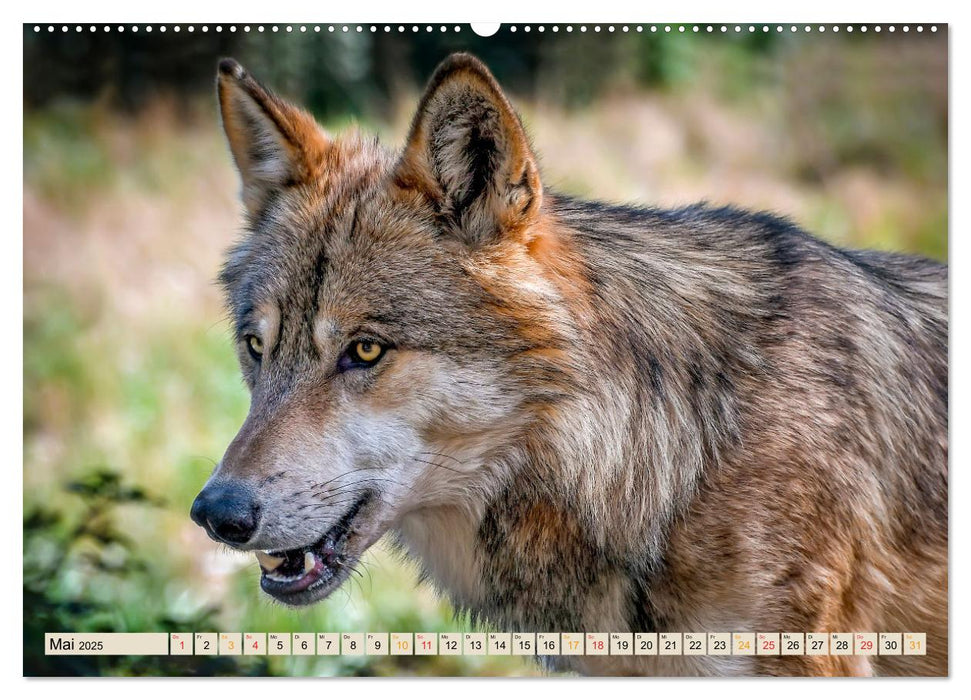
[268, 561]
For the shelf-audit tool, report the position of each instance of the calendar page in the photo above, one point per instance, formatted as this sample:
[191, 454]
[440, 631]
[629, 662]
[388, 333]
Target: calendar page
[437, 349]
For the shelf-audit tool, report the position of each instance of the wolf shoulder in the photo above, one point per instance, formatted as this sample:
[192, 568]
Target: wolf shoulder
[754, 249]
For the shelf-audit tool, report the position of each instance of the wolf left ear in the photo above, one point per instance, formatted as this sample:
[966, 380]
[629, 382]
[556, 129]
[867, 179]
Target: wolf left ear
[468, 151]
[274, 144]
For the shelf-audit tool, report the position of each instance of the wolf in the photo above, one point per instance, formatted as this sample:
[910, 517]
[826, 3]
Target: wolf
[575, 416]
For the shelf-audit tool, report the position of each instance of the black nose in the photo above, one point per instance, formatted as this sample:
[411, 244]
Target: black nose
[228, 512]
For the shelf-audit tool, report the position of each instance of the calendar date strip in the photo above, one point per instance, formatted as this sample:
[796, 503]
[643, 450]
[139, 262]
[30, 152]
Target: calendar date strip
[487, 644]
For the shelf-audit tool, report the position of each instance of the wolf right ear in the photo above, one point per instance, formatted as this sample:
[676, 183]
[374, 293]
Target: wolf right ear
[274, 144]
[468, 153]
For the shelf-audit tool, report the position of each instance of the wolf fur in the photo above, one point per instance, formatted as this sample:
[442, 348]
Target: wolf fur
[588, 417]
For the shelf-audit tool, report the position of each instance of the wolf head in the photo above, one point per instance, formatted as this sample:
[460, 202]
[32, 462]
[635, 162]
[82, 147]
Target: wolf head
[398, 321]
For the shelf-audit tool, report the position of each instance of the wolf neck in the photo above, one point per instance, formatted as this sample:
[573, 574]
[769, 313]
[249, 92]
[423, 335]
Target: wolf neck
[577, 525]
[572, 533]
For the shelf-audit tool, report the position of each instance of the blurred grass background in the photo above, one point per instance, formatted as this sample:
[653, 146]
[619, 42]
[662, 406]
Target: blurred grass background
[131, 384]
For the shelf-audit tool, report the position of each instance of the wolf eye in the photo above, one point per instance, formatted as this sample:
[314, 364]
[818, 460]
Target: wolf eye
[362, 353]
[367, 351]
[255, 346]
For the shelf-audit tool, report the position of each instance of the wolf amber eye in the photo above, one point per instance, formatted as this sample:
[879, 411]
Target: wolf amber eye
[255, 346]
[367, 351]
[361, 353]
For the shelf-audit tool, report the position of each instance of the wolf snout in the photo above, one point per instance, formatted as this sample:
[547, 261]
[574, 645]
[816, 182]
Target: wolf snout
[227, 511]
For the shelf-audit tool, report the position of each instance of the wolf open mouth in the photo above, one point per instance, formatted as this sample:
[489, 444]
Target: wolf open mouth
[303, 575]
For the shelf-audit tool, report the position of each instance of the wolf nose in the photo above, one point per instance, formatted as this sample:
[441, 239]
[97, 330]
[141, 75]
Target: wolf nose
[227, 511]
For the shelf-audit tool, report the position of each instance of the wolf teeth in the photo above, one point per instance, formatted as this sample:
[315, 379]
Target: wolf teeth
[283, 579]
[268, 561]
[271, 563]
